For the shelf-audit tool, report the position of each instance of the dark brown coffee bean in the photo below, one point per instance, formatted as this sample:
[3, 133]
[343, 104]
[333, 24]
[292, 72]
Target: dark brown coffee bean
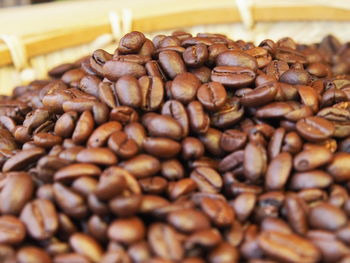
[162, 126]
[310, 179]
[232, 140]
[100, 135]
[188, 220]
[176, 110]
[339, 168]
[207, 179]
[22, 159]
[255, 161]
[127, 231]
[70, 202]
[288, 247]
[122, 145]
[195, 56]
[164, 242]
[124, 115]
[313, 158]
[296, 213]
[142, 165]
[13, 231]
[113, 69]
[152, 92]
[161, 147]
[228, 115]
[326, 216]
[274, 110]
[70, 257]
[199, 120]
[315, 128]
[260, 96]
[154, 70]
[17, 190]
[219, 211]
[29, 254]
[236, 58]
[171, 63]
[184, 87]
[172, 169]
[224, 252]
[99, 156]
[64, 126]
[278, 171]
[89, 84]
[212, 95]
[40, 218]
[83, 128]
[182, 187]
[86, 246]
[233, 76]
[128, 91]
[231, 161]
[98, 59]
[77, 170]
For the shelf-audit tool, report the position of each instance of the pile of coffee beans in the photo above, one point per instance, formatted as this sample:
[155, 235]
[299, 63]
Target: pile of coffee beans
[181, 149]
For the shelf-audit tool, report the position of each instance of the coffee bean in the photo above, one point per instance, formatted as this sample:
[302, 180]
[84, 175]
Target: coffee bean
[171, 63]
[87, 246]
[127, 231]
[233, 76]
[312, 158]
[315, 128]
[236, 58]
[288, 247]
[152, 92]
[278, 171]
[255, 161]
[219, 211]
[114, 69]
[339, 168]
[162, 126]
[161, 147]
[177, 111]
[17, 190]
[188, 220]
[100, 135]
[232, 140]
[83, 128]
[22, 159]
[77, 170]
[327, 217]
[13, 230]
[212, 95]
[184, 87]
[310, 179]
[207, 179]
[224, 251]
[164, 242]
[142, 165]
[29, 254]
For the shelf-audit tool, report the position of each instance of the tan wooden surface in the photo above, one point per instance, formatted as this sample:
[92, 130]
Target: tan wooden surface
[49, 27]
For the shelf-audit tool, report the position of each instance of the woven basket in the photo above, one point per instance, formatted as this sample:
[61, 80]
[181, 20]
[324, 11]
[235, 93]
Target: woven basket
[43, 36]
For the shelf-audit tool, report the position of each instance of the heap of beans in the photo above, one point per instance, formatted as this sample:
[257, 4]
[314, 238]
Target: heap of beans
[186, 149]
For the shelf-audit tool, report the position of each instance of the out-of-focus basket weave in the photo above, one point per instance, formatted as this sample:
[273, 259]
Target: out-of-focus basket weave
[63, 32]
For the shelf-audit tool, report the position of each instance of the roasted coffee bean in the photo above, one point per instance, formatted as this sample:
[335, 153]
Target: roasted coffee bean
[278, 171]
[114, 69]
[326, 216]
[29, 254]
[207, 179]
[165, 242]
[127, 231]
[233, 76]
[128, 91]
[100, 135]
[76, 170]
[16, 190]
[100, 156]
[142, 165]
[171, 63]
[236, 58]
[315, 128]
[162, 126]
[182, 148]
[312, 158]
[152, 92]
[184, 87]
[40, 218]
[86, 246]
[13, 230]
[212, 95]
[161, 147]
[288, 247]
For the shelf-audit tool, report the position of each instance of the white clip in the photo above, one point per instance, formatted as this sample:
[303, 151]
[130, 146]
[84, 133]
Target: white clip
[245, 11]
[19, 57]
[126, 20]
[116, 24]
